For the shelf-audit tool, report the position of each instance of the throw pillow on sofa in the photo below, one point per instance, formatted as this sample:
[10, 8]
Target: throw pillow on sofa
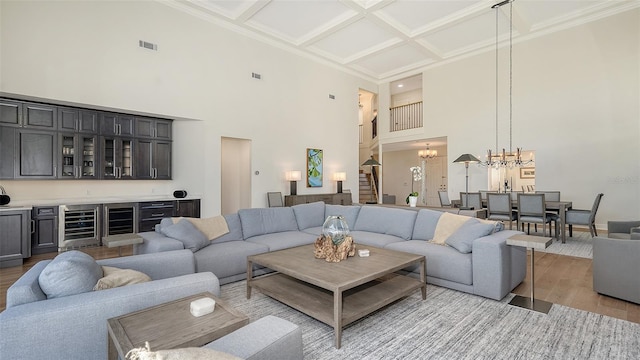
[116, 277]
[69, 273]
[187, 233]
[462, 239]
[447, 224]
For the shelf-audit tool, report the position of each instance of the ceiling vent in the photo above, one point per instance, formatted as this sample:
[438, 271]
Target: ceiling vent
[256, 76]
[148, 45]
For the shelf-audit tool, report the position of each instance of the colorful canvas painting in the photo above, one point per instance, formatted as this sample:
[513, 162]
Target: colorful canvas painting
[314, 168]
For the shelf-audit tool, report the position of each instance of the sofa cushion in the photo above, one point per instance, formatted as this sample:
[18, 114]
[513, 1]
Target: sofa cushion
[309, 215]
[462, 239]
[443, 262]
[267, 220]
[283, 240]
[70, 273]
[116, 277]
[227, 258]
[235, 229]
[381, 220]
[187, 233]
[374, 239]
[350, 213]
[426, 223]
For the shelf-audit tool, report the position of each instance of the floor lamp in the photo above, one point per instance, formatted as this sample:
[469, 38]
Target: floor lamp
[466, 159]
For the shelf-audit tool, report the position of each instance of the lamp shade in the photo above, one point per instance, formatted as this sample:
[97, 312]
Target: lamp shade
[370, 162]
[340, 176]
[293, 175]
[466, 158]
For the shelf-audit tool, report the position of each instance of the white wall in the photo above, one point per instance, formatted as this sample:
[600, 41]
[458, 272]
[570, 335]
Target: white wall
[576, 102]
[87, 53]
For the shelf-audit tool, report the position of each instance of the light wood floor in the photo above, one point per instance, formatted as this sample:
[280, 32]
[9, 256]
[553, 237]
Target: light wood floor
[564, 280]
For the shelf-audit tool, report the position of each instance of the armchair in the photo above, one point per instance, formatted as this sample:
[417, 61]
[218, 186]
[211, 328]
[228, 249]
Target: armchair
[615, 268]
[623, 229]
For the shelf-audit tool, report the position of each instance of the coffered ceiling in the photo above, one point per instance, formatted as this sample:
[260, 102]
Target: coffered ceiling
[386, 40]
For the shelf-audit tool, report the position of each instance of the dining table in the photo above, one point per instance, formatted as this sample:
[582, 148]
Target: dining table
[560, 206]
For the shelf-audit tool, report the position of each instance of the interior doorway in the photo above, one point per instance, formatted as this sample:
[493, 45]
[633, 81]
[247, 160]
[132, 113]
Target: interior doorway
[235, 175]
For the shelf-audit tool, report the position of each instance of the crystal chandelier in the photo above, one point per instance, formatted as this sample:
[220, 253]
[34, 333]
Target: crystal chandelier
[427, 154]
[505, 158]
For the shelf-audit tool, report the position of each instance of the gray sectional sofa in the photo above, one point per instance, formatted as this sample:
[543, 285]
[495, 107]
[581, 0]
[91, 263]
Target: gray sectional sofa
[486, 266]
[36, 325]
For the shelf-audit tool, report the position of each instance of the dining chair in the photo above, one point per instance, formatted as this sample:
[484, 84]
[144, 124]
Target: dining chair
[499, 208]
[483, 193]
[550, 195]
[531, 209]
[274, 199]
[584, 217]
[514, 195]
[475, 200]
[444, 198]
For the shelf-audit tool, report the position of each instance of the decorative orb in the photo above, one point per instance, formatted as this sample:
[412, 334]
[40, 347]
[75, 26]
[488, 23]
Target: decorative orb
[335, 227]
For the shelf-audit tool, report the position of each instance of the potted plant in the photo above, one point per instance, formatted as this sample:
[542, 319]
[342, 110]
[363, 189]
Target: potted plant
[412, 199]
[416, 175]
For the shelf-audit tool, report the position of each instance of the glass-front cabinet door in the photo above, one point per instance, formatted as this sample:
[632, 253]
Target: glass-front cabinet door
[79, 156]
[116, 158]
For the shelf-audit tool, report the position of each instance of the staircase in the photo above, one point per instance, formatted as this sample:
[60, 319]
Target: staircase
[367, 195]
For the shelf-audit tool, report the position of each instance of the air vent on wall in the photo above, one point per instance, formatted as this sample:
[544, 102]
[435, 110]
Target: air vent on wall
[147, 45]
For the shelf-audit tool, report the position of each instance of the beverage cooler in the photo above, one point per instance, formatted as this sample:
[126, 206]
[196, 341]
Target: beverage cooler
[79, 226]
[120, 218]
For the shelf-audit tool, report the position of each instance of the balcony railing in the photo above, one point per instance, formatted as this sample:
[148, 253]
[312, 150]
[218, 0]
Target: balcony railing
[406, 117]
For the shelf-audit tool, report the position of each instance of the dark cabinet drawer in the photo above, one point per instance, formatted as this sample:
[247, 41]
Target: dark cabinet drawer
[152, 212]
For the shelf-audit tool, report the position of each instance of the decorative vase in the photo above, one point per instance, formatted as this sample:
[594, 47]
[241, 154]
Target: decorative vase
[336, 228]
[413, 201]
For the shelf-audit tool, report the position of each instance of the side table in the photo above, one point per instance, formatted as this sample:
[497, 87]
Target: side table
[171, 326]
[530, 242]
[121, 240]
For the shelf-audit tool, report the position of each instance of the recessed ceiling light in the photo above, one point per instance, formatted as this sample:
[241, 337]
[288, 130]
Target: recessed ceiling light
[400, 85]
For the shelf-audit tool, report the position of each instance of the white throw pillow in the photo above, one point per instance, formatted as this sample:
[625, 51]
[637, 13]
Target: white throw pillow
[115, 277]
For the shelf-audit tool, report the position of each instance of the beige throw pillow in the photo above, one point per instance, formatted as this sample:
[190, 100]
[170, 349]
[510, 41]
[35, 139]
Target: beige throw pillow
[115, 277]
[447, 225]
[212, 227]
[178, 354]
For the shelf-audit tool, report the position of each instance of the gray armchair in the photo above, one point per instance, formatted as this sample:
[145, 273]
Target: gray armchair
[616, 265]
[623, 229]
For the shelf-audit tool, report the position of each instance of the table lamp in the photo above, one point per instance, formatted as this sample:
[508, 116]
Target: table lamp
[293, 177]
[340, 177]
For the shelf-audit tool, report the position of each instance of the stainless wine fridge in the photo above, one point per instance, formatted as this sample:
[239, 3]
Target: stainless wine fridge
[79, 226]
[120, 218]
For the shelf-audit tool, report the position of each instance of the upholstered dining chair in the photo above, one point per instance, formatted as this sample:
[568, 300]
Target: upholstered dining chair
[499, 208]
[274, 199]
[514, 194]
[550, 195]
[531, 209]
[475, 200]
[444, 198]
[584, 217]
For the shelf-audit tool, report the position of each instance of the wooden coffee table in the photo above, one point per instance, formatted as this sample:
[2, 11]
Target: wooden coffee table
[336, 294]
[171, 325]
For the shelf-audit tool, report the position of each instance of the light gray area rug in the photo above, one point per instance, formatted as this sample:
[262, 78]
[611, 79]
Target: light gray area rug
[455, 325]
[580, 245]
